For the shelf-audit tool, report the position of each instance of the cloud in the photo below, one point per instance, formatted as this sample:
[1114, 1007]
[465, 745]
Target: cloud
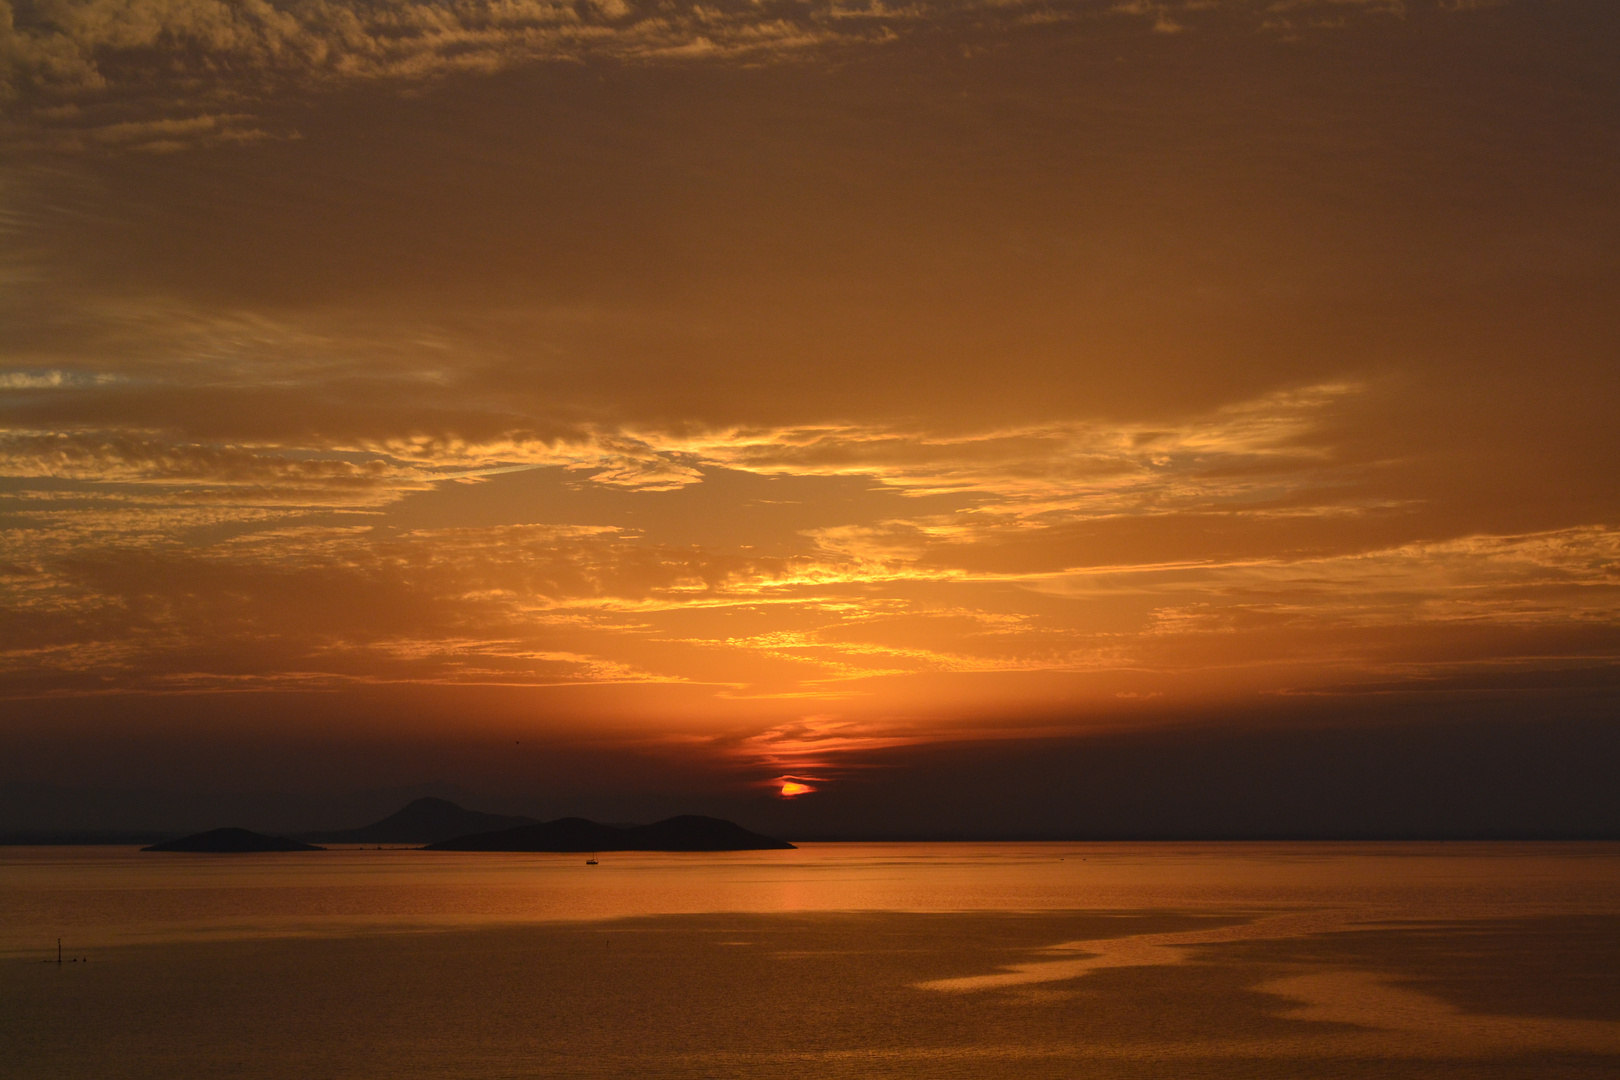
[131, 458]
[1257, 460]
[221, 500]
[169, 559]
[40, 380]
[162, 136]
[816, 748]
[168, 52]
[100, 596]
[141, 73]
[1112, 385]
[1243, 450]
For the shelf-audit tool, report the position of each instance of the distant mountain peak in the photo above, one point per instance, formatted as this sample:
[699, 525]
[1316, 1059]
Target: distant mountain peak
[421, 821]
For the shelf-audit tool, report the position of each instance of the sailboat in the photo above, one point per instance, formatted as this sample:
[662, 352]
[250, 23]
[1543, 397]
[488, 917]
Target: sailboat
[592, 860]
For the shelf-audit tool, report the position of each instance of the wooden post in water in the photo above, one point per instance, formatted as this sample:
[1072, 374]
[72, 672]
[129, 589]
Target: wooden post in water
[58, 952]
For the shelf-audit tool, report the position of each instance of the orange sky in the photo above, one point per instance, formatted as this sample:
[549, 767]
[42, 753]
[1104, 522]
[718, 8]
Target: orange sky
[794, 382]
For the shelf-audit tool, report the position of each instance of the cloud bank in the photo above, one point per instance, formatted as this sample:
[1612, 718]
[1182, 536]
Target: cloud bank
[158, 75]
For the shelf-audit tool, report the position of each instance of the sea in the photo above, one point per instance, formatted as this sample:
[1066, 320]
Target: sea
[1095, 960]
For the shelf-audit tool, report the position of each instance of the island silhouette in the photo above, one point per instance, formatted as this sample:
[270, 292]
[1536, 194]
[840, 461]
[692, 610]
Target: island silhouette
[423, 821]
[231, 841]
[441, 825]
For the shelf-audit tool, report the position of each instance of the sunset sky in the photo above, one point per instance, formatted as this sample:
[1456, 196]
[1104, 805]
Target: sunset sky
[619, 403]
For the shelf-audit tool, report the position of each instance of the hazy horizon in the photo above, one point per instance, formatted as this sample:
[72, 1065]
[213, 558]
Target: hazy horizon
[1404, 781]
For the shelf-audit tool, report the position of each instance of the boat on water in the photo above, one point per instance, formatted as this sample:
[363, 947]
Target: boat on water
[592, 860]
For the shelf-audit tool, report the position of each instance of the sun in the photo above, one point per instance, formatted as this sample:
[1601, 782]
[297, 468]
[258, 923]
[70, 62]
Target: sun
[792, 788]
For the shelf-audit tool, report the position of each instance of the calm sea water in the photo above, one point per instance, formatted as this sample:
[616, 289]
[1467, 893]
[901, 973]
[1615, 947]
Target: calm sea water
[903, 960]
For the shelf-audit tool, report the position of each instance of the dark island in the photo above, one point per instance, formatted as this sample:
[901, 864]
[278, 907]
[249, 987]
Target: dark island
[232, 841]
[689, 832]
[424, 821]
